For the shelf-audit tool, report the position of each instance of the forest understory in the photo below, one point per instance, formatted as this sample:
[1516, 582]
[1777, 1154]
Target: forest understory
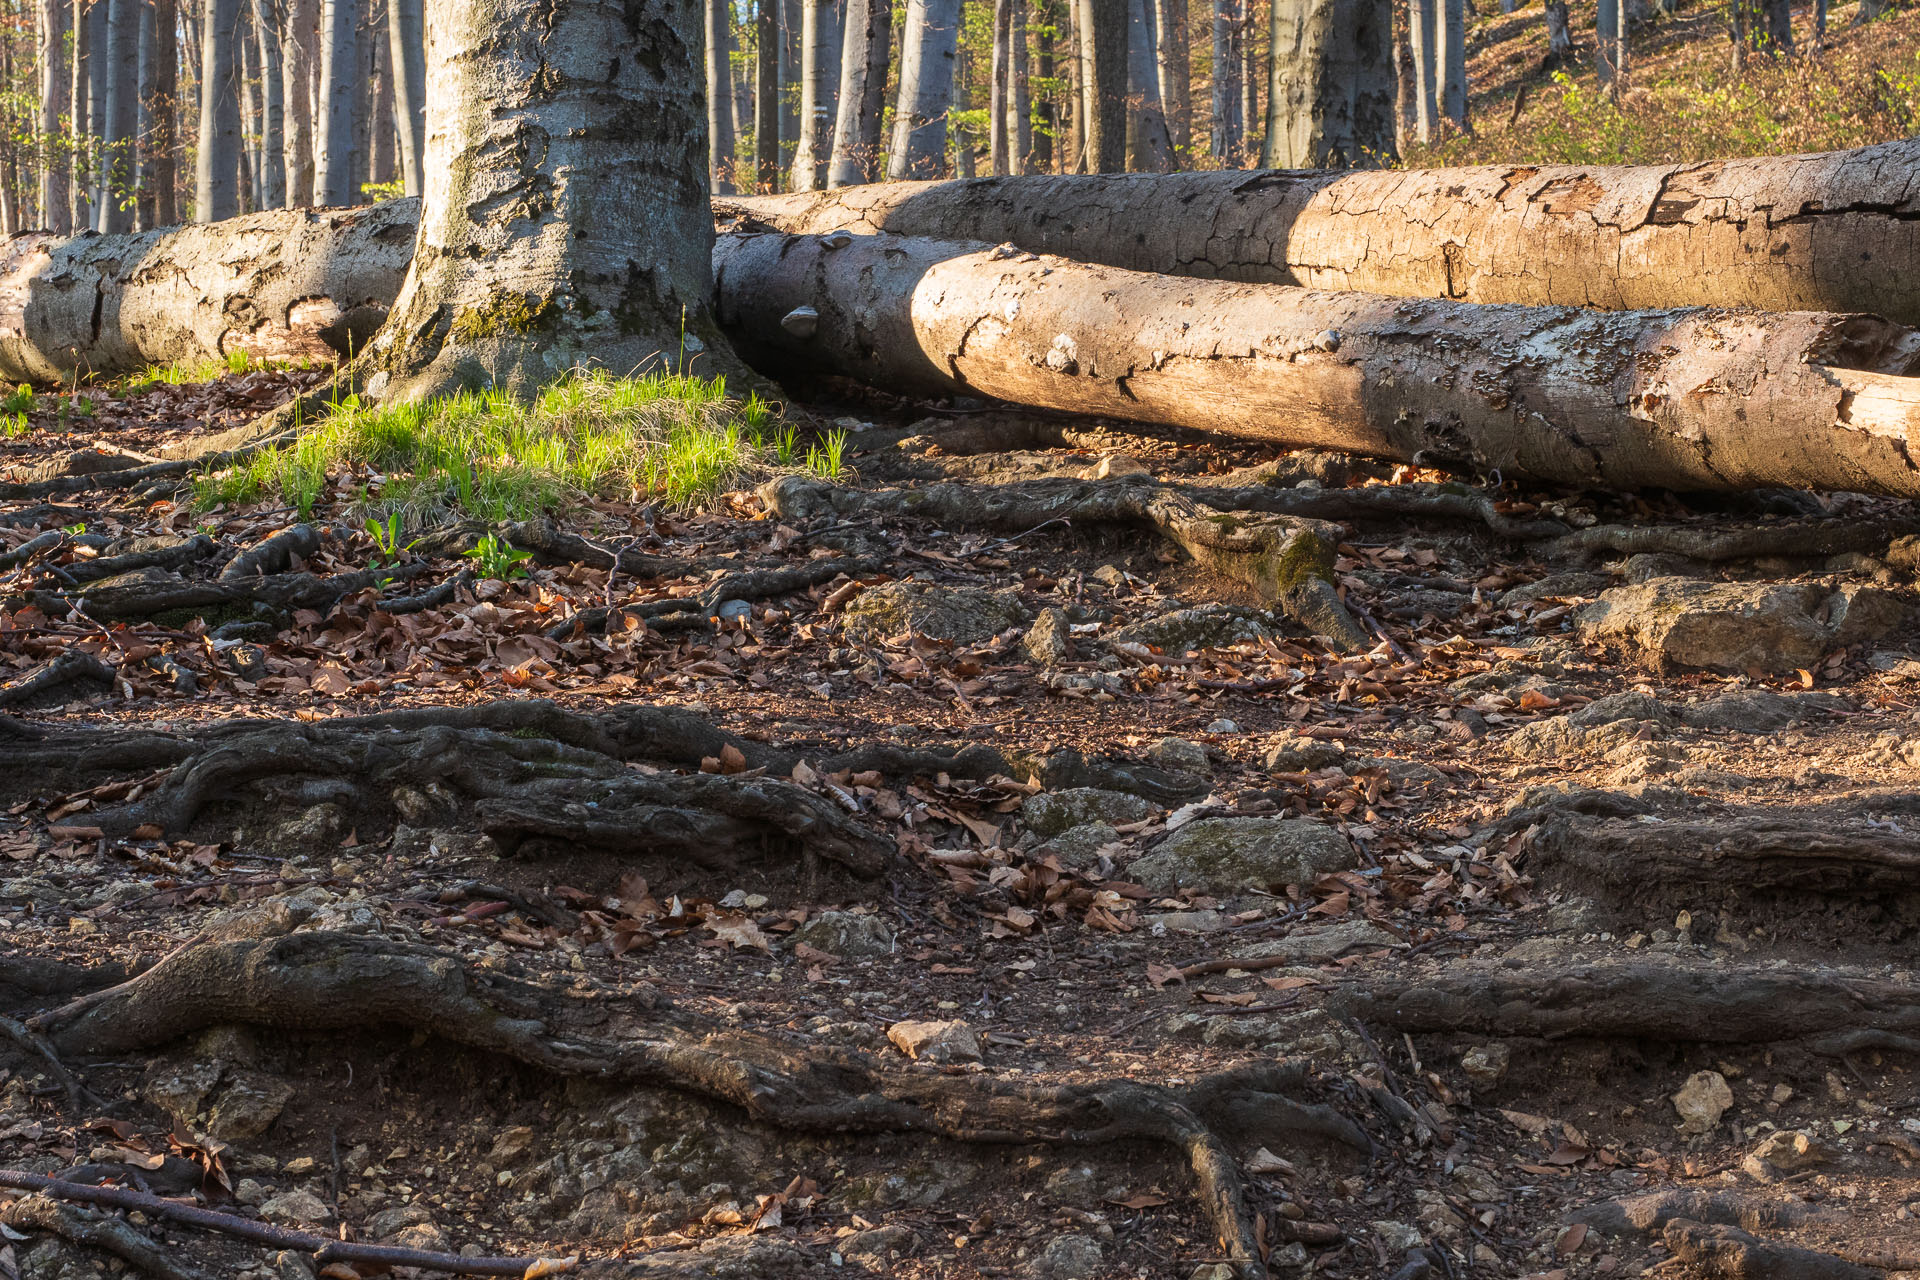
[579, 890]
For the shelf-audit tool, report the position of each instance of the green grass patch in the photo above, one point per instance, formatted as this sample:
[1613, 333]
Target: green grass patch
[179, 373]
[481, 454]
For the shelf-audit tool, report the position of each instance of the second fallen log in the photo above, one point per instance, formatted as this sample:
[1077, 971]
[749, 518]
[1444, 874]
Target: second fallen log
[1686, 399]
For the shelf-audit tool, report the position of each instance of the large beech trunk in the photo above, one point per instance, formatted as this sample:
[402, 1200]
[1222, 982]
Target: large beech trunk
[1832, 232]
[1686, 399]
[279, 285]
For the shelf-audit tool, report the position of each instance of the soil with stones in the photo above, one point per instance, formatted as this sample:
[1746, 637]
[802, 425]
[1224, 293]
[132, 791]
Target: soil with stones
[942, 872]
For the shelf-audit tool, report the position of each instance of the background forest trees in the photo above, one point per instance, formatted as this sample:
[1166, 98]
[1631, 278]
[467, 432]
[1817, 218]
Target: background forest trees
[127, 114]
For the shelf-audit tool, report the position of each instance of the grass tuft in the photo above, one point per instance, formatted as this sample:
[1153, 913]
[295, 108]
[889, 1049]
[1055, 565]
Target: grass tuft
[662, 436]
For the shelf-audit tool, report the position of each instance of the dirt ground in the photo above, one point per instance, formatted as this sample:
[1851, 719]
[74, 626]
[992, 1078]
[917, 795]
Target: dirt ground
[1574, 925]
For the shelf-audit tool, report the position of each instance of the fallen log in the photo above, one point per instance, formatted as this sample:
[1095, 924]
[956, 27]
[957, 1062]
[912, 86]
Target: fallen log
[1828, 232]
[1683, 399]
[312, 283]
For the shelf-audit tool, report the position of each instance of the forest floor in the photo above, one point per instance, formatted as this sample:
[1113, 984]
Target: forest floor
[1503, 926]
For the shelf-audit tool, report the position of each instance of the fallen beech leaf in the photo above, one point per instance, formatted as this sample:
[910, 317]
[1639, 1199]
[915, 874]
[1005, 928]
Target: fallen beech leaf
[1525, 1122]
[1161, 974]
[1571, 1239]
[1534, 700]
[1568, 1154]
[75, 833]
[1237, 998]
[1140, 1200]
[549, 1267]
[1289, 984]
[732, 760]
[739, 931]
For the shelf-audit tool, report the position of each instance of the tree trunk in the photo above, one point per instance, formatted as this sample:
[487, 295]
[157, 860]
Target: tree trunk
[1228, 136]
[1073, 155]
[79, 204]
[99, 68]
[997, 135]
[1173, 55]
[820, 40]
[1103, 82]
[719, 79]
[1451, 61]
[863, 93]
[363, 84]
[919, 147]
[216, 194]
[296, 89]
[1420, 34]
[1151, 147]
[960, 111]
[336, 167]
[163, 113]
[1048, 137]
[407, 56]
[791, 21]
[1331, 100]
[1751, 233]
[286, 285]
[252, 114]
[1019, 121]
[50, 37]
[1779, 15]
[612, 265]
[1584, 398]
[766, 96]
[382, 130]
[273, 172]
[1606, 25]
[1559, 34]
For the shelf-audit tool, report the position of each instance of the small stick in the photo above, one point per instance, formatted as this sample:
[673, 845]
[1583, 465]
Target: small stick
[77, 1093]
[323, 1248]
[97, 1230]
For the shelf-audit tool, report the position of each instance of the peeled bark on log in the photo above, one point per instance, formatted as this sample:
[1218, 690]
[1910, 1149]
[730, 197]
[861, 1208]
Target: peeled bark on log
[1834, 232]
[282, 285]
[1688, 399]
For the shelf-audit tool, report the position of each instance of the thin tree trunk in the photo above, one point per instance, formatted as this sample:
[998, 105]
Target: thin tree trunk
[719, 78]
[1420, 34]
[1451, 61]
[296, 77]
[407, 56]
[791, 21]
[362, 99]
[50, 32]
[1606, 24]
[1249, 78]
[960, 109]
[1559, 34]
[820, 41]
[1019, 122]
[1173, 56]
[1779, 14]
[1586, 399]
[122, 115]
[491, 300]
[335, 164]
[253, 117]
[919, 146]
[1073, 156]
[1047, 137]
[997, 133]
[216, 194]
[1152, 148]
[382, 130]
[1228, 136]
[766, 96]
[1647, 236]
[1331, 101]
[863, 93]
[99, 69]
[163, 113]
[1103, 82]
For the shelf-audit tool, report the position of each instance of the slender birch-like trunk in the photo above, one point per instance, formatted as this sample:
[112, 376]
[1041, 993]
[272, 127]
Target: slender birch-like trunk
[863, 93]
[1151, 147]
[297, 49]
[216, 192]
[820, 40]
[1227, 137]
[766, 96]
[50, 38]
[927, 49]
[336, 166]
[1451, 61]
[407, 57]
[718, 67]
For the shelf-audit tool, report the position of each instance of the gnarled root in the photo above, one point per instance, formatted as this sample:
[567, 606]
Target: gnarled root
[97, 1230]
[1287, 559]
[324, 981]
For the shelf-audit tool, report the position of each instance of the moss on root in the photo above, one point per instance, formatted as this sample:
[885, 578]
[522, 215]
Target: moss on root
[506, 313]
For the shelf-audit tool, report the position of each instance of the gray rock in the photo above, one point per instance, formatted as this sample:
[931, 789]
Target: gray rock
[1180, 755]
[1758, 710]
[1209, 626]
[1558, 738]
[1647, 565]
[1074, 1184]
[1073, 1257]
[1046, 640]
[879, 1244]
[1109, 575]
[318, 829]
[1231, 855]
[1737, 626]
[956, 615]
[1309, 946]
[1557, 586]
[297, 1206]
[1486, 1064]
[1223, 725]
[1185, 922]
[388, 1223]
[1049, 813]
[843, 933]
[1079, 847]
[936, 1041]
[1294, 753]
[247, 1106]
[1631, 705]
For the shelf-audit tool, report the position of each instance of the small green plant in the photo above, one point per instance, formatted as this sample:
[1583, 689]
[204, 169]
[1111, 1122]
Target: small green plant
[238, 361]
[20, 400]
[383, 190]
[75, 529]
[15, 425]
[386, 539]
[828, 459]
[495, 558]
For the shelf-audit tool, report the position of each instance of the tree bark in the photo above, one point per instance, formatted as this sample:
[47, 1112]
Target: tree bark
[1019, 122]
[1451, 61]
[1171, 54]
[1103, 82]
[335, 165]
[1049, 136]
[719, 79]
[791, 21]
[1150, 148]
[1228, 135]
[1751, 233]
[1559, 35]
[1686, 399]
[927, 49]
[382, 131]
[997, 135]
[79, 205]
[820, 40]
[273, 171]
[100, 71]
[163, 113]
[1420, 17]
[1606, 24]
[867, 39]
[567, 217]
[766, 96]
[50, 38]
[296, 88]
[406, 35]
[216, 195]
[1330, 100]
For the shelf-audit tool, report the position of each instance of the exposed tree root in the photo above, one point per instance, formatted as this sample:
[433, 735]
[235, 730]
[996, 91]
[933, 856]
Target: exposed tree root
[51, 680]
[35, 1043]
[1715, 542]
[1649, 1214]
[86, 1227]
[93, 1230]
[324, 981]
[1288, 560]
[1644, 999]
[1728, 1253]
[700, 611]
